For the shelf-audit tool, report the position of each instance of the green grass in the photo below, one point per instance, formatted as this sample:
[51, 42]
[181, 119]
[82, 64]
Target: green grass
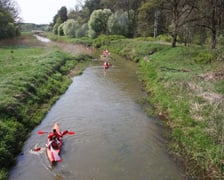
[31, 80]
[175, 79]
[84, 40]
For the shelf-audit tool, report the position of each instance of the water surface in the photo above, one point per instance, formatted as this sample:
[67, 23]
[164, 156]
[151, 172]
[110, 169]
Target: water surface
[114, 140]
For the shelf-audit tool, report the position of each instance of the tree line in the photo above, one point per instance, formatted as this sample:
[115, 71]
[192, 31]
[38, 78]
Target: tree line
[186, 21]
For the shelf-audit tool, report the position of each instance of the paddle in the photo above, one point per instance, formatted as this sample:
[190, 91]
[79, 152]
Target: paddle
[44, 132]
[65, 132]
[55, 154]
[36, 149]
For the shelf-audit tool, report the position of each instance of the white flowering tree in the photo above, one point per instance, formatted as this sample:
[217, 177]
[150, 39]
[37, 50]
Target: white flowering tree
[98, 22]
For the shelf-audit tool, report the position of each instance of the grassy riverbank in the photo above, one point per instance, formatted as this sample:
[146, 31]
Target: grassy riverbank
[32, 78]
[186, 87]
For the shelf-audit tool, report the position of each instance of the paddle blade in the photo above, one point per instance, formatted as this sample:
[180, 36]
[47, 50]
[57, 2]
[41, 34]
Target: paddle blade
[55, 155]
[71, 132]
[68, 132]
[41, 132]
[37, 149]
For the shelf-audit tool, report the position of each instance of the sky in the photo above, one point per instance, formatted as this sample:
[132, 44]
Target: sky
[42, 11]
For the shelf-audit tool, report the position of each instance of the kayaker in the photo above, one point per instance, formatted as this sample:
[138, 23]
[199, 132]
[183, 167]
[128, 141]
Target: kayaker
[54, 134]
[54, 143]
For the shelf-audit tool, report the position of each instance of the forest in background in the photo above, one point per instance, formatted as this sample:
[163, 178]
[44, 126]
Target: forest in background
[185, 21]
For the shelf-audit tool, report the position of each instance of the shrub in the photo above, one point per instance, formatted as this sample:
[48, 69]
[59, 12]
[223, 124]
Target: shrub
[203, 58]
[70, 27]
[60, 30]
[105, 40]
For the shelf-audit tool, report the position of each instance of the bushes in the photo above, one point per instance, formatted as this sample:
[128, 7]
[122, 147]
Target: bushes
[204, 58]
[104, 40]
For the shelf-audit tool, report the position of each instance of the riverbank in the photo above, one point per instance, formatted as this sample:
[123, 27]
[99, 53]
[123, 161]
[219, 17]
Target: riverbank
[33, 76]
[185, 85]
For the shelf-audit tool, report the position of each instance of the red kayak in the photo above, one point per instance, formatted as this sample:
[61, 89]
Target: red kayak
[53, 153]
[54, 145]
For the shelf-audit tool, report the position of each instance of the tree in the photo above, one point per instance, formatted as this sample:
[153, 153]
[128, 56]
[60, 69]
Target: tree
[82, 31]
[98, 21]
[177, 13]
[8, 17]
[92, 5]
[62, 13]
[70, 28]
[61, 16]
[119, 23]
[210, 16]
[145, 19]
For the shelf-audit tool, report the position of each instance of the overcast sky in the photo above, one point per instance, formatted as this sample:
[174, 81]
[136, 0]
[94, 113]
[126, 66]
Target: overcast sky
[42, 11]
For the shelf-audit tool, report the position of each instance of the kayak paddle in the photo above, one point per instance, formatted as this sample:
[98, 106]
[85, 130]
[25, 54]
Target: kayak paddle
[37, 149]
[65, 132]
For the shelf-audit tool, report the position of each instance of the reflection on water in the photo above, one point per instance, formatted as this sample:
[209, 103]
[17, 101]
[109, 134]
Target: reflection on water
[114, 138]
[43, 39]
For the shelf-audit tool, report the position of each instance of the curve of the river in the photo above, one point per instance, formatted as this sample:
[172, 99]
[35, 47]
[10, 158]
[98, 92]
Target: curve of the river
[114, 140]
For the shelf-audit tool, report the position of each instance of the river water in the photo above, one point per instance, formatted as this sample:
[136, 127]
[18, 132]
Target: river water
[114, 140]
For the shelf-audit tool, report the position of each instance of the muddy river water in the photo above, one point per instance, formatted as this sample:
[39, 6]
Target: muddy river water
[114, 140]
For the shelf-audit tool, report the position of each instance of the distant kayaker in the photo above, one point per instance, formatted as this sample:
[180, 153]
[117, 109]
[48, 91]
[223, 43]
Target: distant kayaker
[106, 53]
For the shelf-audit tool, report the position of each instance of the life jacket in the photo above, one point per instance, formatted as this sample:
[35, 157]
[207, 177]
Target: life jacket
[54, 144]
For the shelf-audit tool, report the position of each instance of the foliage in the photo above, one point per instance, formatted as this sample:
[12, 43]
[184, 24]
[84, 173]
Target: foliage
[98, 22]
[60, 30]
[8, 15]
[61, 16]
[3, 174]
[83, 40]
[164, 37]
[70, 27]
[204, 58]
[145, 19]
[104, 40]
[82, 31]
[55, 28]
[119, 23]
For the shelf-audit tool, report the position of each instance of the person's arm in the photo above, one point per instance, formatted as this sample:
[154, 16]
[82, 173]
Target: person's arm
[49, 143]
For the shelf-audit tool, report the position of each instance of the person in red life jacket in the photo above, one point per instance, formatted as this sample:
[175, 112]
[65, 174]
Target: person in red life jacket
[106, 53]
[106, 65]
[54, 143]
[54, 135]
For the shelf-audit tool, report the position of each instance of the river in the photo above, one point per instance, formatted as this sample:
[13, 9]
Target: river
[114, 140]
